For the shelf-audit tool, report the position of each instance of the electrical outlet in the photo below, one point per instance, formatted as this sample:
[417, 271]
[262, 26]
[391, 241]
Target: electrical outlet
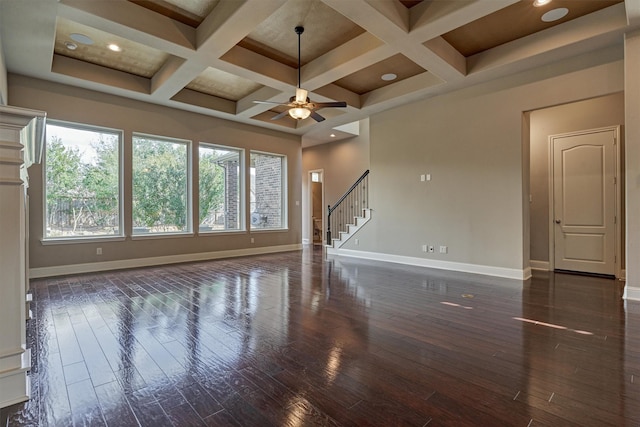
[431, 249]
[424, 248]
[443, 249]
[98, 251]
[252, 241]
[357, 242]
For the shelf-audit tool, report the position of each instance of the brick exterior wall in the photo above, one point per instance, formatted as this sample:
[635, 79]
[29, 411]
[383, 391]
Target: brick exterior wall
[231, 198]
[268, 191]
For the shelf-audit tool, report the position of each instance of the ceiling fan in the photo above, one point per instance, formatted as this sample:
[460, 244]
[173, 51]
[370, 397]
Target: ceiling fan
[300, 107]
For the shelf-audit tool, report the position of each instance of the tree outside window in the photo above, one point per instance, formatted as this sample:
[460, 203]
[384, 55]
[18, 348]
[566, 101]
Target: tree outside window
[82, 181]
[160, 202]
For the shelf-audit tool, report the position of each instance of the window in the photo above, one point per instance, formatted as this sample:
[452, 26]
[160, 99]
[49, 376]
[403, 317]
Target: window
[220, 188]
[82, 181]
[268, 191]
[160, 185]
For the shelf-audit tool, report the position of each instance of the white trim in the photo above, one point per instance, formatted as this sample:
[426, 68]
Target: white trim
[79, 240]
[632, 294]
[90, 267]
[539, 265]
[509, 273]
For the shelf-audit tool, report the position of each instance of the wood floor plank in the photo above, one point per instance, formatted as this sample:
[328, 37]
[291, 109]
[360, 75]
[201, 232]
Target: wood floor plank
[296, 339]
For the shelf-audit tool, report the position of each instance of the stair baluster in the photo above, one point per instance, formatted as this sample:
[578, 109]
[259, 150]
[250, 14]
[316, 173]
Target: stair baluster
[349, 206]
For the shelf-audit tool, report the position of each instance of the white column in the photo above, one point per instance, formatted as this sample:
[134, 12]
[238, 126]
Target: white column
[15, 359]
[632, 162]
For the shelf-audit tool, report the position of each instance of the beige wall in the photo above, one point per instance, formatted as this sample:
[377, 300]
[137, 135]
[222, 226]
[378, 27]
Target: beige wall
[589, 114]
[3, 78]
[342, 163]
[472, 143]
[632, 163]
[82, 106]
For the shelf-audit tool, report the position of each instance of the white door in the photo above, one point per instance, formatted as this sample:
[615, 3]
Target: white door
[584, 201]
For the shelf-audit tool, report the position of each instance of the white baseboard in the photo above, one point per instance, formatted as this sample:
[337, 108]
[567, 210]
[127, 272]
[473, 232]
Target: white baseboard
[91, 267]
[631, 293]
[508, 273]
[539, 265]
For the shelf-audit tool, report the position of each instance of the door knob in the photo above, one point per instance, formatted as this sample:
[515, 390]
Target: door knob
[558, 221]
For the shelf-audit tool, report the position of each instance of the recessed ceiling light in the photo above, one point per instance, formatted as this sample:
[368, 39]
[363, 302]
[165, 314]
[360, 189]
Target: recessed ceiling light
[333, 135]
[71, 45]
[538, 3]
[555, 14]
[388, 77]
[81, 38]
[114, 47]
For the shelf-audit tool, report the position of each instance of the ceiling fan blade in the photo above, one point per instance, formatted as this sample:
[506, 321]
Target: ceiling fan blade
[281, 115]
[330, 104]
[270, 102]
[317, 117]
[301, 95]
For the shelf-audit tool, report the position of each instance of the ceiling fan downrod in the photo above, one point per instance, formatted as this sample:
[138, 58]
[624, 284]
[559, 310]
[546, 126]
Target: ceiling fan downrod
[299, 30]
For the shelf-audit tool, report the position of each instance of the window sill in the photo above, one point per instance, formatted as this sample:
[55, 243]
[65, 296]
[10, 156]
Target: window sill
[220, 232]
[269, 230]
[162, 236]
[79, 240]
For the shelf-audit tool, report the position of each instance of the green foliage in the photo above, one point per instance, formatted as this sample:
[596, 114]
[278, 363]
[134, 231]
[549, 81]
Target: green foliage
[101, 180]
[64, 169]
[211, 184]
[81, 195]
[82, 191]
[159, 185]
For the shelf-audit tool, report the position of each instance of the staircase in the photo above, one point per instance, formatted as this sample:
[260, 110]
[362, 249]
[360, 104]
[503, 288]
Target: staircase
[351, 229]
[349, 214]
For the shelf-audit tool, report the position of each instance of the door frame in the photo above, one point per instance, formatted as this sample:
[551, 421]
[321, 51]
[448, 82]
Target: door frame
[617, 238]
[310, 198]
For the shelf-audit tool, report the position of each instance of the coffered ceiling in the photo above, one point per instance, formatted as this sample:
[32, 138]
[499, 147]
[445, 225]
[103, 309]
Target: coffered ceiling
[218, 56]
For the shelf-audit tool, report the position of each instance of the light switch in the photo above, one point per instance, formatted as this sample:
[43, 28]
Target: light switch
[422, 177]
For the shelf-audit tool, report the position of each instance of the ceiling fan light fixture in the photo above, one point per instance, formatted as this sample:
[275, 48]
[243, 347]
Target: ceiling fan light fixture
[299, 113]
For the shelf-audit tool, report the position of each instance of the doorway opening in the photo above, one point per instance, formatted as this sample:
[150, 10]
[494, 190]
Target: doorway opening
[575, 192]
[316, 206]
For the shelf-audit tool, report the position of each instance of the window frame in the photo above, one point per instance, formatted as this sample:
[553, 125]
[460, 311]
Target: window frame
[241, 189]
[120, 194]
[189, 187]
[284, 181]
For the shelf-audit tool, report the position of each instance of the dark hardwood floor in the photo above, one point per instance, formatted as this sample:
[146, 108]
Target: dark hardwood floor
[293, 339]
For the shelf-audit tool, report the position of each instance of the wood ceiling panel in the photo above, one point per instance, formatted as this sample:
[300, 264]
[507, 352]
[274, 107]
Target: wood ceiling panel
[516, 21]
[134, 58]
[410, 3]
[189, 12]
[223, 85]
[369, 78]
[325, 29]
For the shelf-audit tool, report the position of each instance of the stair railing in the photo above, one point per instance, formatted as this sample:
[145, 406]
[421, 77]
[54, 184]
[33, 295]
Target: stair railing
[349, 206]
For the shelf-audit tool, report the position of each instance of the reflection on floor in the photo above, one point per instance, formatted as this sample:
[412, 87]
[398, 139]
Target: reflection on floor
[294, 339]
